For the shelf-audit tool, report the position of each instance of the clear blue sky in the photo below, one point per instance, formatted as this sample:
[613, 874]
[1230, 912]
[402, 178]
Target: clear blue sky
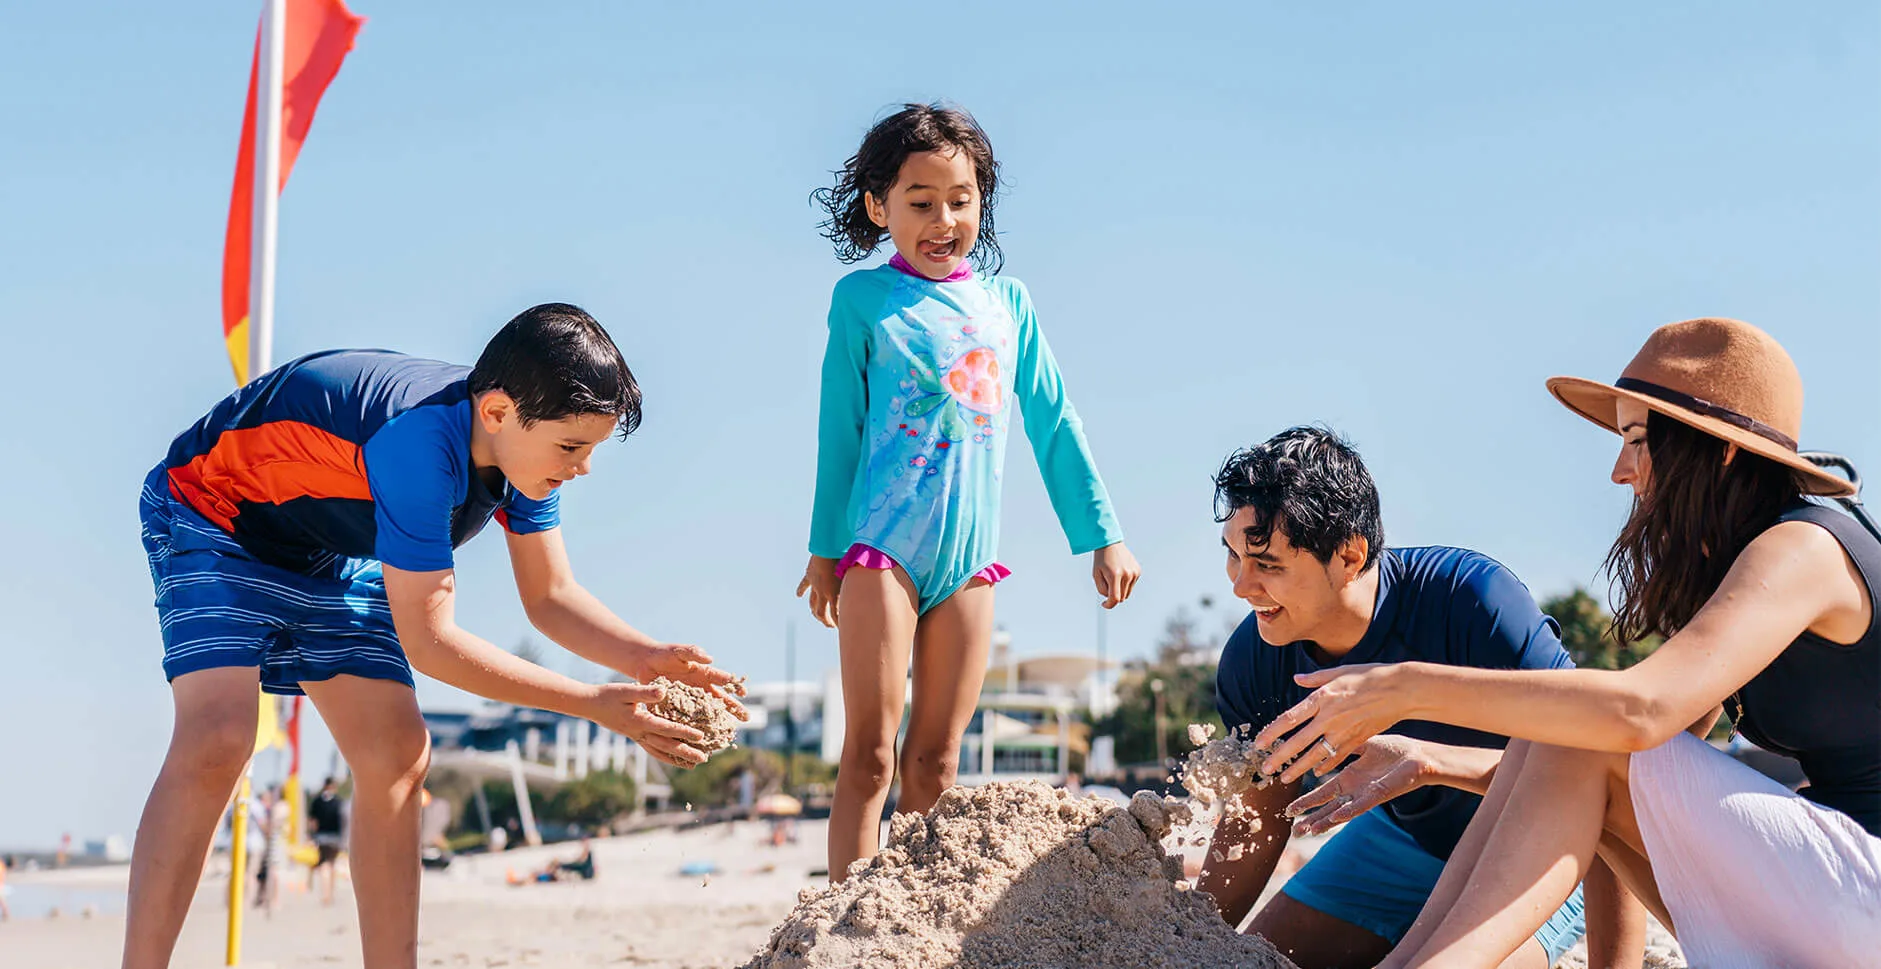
[1398, 219]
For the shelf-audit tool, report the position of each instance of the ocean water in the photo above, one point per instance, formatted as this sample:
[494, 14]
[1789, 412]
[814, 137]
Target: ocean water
[31, 901]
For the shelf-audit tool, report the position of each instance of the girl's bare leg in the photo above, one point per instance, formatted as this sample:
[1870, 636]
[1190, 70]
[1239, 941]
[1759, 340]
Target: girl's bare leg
[876, 635]
[950, 648]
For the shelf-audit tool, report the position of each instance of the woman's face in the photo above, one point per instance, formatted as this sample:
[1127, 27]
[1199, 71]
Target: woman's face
[1634, 465]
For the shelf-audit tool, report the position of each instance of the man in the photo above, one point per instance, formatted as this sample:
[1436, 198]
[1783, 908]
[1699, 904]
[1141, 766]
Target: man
[1305, 550]
[325, 821]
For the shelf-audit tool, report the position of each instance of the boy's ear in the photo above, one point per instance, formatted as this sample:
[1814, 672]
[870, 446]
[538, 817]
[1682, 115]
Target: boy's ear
[878, 212]
[494, 408]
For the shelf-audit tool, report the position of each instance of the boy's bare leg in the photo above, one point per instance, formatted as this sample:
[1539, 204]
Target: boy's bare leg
[876, 633]
[379, 731]
[950, 647]
[210, 744]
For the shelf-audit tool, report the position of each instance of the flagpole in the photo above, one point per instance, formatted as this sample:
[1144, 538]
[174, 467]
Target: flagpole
[267, 195]
[270, 65]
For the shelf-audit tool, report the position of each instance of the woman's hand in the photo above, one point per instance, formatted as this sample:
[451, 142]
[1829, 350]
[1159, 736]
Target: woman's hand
[1352, 704]
[819, 579]
[1115, 571]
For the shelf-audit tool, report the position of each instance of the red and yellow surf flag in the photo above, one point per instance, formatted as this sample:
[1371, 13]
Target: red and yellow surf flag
[319, 35]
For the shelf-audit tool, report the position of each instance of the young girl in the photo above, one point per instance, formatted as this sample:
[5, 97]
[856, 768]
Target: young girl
[926, 359]
[1769, 603]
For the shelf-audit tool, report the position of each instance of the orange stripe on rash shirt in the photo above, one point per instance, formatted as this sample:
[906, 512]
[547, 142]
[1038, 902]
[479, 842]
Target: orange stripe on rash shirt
[274, 463]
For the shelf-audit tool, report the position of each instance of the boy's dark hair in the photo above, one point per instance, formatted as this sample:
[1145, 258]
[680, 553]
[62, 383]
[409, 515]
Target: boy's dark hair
[555, 361]
[872, 170]
[1310, 482]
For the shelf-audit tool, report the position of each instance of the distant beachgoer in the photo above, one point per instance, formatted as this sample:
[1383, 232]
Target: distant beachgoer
[301, 538]
[6, 862]
[1771, 605]
[579, 867]
[270, 813]
[326, 823]
[926, 366]
[499, 839]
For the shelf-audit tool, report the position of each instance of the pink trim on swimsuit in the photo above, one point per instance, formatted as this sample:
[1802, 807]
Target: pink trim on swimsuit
[870, 557]
[962, 271]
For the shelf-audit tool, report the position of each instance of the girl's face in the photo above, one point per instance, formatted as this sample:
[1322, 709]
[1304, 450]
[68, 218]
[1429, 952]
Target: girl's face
[932, 212]
[1634, 465]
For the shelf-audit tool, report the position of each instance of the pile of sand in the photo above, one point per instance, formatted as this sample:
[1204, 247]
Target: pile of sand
[1012, 875]
[702, 710]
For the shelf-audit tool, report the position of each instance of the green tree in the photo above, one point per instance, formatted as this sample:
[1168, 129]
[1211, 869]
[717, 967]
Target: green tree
[593, 800]
[715, 782]
[528, 650]
[1184, 665]
[1587, 632]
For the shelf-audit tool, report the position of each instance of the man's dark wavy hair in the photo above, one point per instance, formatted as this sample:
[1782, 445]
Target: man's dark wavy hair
[555, 361]
[1311, 484]
[872, 170]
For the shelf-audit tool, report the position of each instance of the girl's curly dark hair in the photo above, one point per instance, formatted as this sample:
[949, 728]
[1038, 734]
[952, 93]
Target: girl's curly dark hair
[872, 170]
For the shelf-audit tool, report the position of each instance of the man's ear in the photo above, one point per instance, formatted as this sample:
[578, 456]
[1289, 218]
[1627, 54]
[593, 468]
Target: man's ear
[1352, 555]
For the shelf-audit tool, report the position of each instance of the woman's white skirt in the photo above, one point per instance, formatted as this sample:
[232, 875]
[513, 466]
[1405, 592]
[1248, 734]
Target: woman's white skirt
[1754, 875]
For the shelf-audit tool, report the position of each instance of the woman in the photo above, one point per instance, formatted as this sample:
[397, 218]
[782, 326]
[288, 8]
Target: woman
[1769, 604]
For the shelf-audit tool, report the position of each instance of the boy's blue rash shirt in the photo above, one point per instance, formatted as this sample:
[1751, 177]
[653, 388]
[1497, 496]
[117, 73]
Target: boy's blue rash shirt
[347, 454]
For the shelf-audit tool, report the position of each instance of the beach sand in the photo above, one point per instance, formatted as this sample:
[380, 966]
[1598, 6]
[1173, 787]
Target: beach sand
[638, 912]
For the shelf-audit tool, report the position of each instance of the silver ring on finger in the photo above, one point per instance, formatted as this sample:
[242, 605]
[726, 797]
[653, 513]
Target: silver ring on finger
[1330, 752]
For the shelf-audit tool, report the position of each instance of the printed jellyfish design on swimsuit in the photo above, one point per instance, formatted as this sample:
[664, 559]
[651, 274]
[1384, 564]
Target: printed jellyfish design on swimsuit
[920, 380]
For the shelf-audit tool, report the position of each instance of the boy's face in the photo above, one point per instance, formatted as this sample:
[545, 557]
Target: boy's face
[932, 212]
[542, 457]
[1291, 592]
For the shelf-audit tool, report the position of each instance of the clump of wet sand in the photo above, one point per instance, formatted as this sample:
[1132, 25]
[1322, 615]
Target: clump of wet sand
[1219, 771]
[1016, 875]
[701, 709]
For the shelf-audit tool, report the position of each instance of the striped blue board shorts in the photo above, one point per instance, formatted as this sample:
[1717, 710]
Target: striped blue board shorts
[221, 607]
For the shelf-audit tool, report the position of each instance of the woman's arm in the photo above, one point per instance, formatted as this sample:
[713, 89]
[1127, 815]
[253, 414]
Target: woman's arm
[1783, 583]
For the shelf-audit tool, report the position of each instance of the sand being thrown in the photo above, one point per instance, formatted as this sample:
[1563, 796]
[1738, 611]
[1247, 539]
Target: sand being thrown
[1017, 875]
[702, 710]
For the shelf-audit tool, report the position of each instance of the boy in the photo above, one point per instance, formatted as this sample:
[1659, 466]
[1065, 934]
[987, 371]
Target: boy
[300, 538]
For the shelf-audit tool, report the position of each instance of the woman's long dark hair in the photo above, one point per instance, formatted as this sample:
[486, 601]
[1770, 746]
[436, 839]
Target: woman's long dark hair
[1696, 516]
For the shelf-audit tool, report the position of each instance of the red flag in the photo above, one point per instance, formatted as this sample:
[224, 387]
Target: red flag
[319, 35]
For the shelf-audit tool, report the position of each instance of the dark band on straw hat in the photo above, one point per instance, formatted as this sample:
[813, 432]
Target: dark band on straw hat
[1705, 408]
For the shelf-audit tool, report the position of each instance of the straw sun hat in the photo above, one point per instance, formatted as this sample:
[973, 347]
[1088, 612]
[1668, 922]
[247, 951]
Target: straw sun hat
[1723, 377]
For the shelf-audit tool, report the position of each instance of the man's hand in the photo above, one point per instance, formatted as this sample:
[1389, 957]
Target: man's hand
[819, 579]
[684, 663]
[1386, 767]
[1115, 571]
[624, 709]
